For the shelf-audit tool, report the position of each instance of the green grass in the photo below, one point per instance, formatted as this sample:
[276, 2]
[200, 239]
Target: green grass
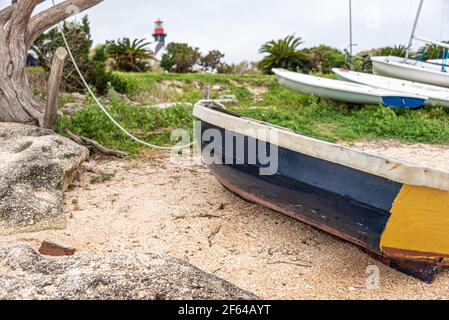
[331, 122]
[157, 87]
[261, 98]
[101, 178]
[150, 124]
[36, 70]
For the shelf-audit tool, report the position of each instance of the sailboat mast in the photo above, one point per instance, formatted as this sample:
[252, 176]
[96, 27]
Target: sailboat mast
[415, 25]
[350, 32]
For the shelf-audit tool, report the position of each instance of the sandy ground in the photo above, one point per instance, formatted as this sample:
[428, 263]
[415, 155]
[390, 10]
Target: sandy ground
[181, 210]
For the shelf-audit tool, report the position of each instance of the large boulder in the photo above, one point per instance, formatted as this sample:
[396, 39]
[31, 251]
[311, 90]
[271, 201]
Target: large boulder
[24, 274]
[36, 167]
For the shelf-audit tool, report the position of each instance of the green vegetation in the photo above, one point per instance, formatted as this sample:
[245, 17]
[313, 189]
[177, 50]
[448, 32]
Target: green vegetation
[260, 97]
[212, 61]
[129, 56]
[397, 51]
[148, 123]
[105, 177]
[283, 53]
[186, 87]
[429, 52]
[180, 58]
[332, 122]
[78, 34]
[323, 58]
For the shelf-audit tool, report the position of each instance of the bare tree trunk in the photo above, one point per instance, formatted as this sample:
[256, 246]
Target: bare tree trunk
[18, 30]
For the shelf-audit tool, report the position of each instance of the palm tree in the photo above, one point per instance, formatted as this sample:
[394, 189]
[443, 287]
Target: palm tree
[283, 53]
[130, 56]
[397, 51]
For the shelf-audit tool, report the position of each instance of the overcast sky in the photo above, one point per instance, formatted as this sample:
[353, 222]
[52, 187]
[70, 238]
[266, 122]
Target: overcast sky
[239, 27]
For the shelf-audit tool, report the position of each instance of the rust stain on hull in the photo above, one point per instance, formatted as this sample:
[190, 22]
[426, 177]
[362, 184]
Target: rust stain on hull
[425, 257]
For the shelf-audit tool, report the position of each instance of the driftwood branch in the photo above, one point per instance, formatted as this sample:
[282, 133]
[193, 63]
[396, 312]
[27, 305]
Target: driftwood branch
[48, 18]
[54, 82]
[95, 145]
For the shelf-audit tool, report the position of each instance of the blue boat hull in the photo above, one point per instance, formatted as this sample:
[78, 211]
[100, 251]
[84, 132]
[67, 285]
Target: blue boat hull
[345, 202]
[404, 102]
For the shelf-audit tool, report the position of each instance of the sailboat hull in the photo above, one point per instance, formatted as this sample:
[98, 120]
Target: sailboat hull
[395, 67]
[347, 92]
[438, 96]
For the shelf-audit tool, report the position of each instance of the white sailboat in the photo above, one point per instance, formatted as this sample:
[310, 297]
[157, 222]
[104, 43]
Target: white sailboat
[413, 70]
[437, 95]
[439, 62]
[346, 91]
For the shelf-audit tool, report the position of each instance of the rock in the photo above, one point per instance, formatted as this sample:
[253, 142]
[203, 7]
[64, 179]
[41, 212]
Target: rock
[49, 248]
[227, 99]
[258, 92]
[24, 274]
[172, 105]
[78, 96]
[71, 107]
[36, 167]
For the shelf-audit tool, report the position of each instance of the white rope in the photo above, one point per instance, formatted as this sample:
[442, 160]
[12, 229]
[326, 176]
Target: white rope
[100, 105]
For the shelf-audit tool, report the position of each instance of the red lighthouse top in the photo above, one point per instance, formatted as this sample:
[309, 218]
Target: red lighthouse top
[159, 28]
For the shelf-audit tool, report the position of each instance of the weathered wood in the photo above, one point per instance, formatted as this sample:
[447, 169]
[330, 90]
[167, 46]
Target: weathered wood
[95, 145]
[18, 30]
[6, 13]
[48, 18]
[54, 82]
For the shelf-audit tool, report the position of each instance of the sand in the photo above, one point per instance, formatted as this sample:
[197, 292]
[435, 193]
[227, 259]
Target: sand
[154, 205]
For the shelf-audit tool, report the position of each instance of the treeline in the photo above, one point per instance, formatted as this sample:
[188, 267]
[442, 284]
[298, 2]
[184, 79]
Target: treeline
[285, 53]
[127, 55]
[96, 64]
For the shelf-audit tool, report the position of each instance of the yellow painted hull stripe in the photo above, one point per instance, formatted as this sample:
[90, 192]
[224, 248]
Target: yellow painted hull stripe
[419, 223]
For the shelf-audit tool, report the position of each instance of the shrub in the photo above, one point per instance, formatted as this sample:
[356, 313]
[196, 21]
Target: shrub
[364, 58]
[80, 41]
[397, 51]
[180, 58]
[431, 52]
[224, 68]
[323, 58]
[212, 61]
[100, 77]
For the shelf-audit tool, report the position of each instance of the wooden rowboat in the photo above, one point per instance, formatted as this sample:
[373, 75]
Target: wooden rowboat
[346, 91]
[396, 210]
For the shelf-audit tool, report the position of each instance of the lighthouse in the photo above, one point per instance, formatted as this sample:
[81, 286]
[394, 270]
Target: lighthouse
[159, 35]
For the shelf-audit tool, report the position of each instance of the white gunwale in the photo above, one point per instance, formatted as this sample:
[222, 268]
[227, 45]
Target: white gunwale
[389, 168]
